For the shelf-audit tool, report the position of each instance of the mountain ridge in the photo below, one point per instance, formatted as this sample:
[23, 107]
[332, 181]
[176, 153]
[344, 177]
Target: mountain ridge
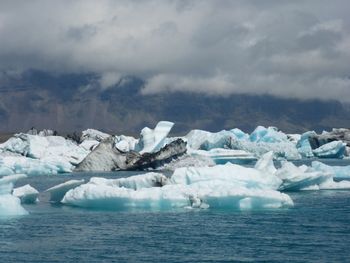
[74, 102]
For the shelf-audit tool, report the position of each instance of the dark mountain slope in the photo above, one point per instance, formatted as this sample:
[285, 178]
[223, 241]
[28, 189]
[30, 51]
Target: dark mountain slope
[75, 102]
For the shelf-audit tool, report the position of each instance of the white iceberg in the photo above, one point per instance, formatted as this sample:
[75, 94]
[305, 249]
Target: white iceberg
[32, 167]
[10, 205]
[261, 141]
[226, 186]
[204, 140]
[57, 192]
[300, 178]
[222, 156]
[27, 194]
[93, 135]
[153, 140]
[125, 143]
[297, 178]
[335, 149]
[284, 149]
[135, 182]
[269, 135]
[235, 175]
[337, 172]
[38, 147]
[120, 198]
[303, 145]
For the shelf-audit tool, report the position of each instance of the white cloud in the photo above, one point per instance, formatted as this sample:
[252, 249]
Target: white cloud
[285, 48]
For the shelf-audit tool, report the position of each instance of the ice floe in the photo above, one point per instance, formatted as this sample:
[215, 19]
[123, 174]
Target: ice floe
[335, 149]
[153, 140]
[10, 205]
[32, 167]
[57, 192]
[27, 194]
[226, 186]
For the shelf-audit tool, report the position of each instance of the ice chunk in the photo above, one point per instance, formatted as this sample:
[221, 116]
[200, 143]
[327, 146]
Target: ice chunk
[232, 174]
[299, 178]
[39, 147]
[58, 191]
[153, 140]
[335, 149]
[284, 149]
[125, 143]
[223, 195]
[227, 186]
[32, 167]
[303, 145]
[93, 135]
[265, 163]
[294, 137]
[222, 156]
[135, 182]
[27, 194]
[239, 134]
[261, 141]
[10, 205]
[337, 172]
[116, 198]
[204, 140]
[7, 182]
[269, 135]
[205, 194]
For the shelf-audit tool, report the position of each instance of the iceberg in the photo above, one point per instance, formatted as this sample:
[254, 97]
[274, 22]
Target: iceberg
[204, 140]
[228, 186]
[285, 150]
[33, 167]
[269, 135]
[39, 147]
[119, 198]
[93, 135]
[27, 194]
[57, 192]
[10, 205]
[135, 182]
[222, 156]
[259, 142]
[106, 157]
[335, 149]
[337, 172]
[205, 194]
[153, 140]
[304, 146]
[126, 143]
[233, 174]
[326, 137]
[300, 178]
[294, 178]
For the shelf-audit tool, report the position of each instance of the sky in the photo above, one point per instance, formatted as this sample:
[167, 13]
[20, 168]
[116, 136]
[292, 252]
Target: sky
[293, 49]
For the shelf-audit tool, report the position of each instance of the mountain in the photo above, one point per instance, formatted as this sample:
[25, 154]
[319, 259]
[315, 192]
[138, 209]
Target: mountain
[73, 102]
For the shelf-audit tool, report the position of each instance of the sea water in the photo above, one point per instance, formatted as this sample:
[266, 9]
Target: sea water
[316, 229]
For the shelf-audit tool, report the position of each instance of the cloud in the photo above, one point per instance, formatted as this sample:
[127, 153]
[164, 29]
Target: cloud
[295, 49]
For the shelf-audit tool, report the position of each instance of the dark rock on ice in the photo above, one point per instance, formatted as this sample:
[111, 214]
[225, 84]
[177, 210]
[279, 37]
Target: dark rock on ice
[341, 134]
[106, 157]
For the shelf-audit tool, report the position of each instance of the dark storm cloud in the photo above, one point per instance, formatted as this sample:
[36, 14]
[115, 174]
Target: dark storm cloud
[285, 48]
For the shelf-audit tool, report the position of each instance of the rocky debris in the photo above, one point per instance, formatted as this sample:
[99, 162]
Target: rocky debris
[340, 134]
[107, 157]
